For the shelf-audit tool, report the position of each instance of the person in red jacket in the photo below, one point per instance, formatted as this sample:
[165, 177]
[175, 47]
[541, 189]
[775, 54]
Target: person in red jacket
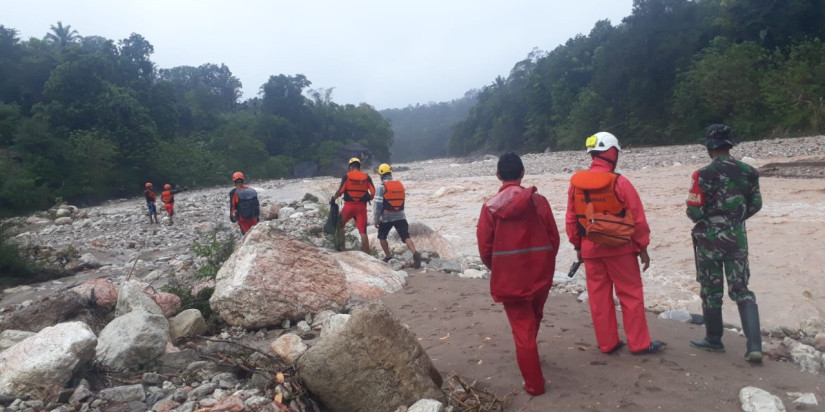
[607, 267]
[518, 240]
[357, 189]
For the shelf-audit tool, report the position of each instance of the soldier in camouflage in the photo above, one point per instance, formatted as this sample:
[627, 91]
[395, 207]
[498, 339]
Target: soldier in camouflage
[723, 195]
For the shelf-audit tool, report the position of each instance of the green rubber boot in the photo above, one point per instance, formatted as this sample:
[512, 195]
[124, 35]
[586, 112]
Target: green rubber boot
[749, 314]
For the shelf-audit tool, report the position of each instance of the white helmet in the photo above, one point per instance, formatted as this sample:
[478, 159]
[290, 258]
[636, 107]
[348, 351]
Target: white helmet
[602, 141]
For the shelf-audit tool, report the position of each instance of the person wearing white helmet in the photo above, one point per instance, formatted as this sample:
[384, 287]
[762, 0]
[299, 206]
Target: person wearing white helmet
[600, 194]
[390, 199]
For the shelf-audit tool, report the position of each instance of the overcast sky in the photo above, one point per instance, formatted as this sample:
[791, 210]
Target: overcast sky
[387, 53]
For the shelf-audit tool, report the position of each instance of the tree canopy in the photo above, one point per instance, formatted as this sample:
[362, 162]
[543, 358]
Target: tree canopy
[659, 77]
[87, 118]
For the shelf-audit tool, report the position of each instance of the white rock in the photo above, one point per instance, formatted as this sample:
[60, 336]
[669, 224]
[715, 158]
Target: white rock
[334, 324]
[288, 346]
[48, 358]
[757, 400]
[472, 274]
[426, 405]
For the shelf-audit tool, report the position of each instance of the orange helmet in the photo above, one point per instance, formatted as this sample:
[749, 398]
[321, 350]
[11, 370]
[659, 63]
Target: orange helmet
[148, 184]
[167, 186]
[237, 176]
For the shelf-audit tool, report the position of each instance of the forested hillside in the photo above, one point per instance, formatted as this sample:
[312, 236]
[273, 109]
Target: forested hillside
[660, 76]
[85, 118]
[422, 131]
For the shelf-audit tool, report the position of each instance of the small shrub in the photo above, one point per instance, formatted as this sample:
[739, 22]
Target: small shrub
[310, 197]
[215, 251]
[199, 301]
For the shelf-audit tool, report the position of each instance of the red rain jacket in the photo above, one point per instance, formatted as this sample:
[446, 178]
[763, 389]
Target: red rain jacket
[518, 240]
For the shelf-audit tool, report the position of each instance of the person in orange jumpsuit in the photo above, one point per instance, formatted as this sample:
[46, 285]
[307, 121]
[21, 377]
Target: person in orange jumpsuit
[518, 240]
[357, 189]
[168, 199]
[609, 267]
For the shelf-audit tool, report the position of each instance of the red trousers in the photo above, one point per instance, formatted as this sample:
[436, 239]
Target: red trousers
[246, 224]
[621, 272]
[525, 319]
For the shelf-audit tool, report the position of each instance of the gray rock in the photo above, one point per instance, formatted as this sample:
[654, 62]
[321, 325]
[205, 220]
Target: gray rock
[124, 394]
[131, 297]
[376, 351]
[188, 323]
[444, 265]
[132, 340]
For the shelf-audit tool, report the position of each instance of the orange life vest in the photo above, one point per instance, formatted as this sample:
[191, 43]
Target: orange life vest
[394, 196]
[167, 197]
[357, 187]
[602, 217]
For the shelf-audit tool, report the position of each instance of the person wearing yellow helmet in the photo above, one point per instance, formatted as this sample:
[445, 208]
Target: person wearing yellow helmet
[150, 202]
[357, 189]
[611, 266]
[390, 199]
[244, 208]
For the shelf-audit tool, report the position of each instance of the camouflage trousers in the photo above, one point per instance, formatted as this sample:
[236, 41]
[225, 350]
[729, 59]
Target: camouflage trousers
[711, 274]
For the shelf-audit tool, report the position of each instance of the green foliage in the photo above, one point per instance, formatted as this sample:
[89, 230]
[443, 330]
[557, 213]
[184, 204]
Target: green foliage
[189, 301]
[215, 250]
[16, 268]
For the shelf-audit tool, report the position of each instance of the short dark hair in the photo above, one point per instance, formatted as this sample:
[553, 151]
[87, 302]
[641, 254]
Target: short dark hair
[509, 167]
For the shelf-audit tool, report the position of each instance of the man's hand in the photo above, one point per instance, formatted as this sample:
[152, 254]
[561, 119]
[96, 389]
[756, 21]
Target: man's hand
[579, 256]
[644, 259]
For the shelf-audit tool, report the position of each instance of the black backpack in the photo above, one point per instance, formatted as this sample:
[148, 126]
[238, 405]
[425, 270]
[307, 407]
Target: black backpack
[248, 206]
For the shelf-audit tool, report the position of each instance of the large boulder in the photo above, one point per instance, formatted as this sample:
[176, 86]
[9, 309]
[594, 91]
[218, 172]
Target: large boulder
[132, 341]
[48, 311]
[368, 277]
[48, 358]
[272, 277]
[374, 363]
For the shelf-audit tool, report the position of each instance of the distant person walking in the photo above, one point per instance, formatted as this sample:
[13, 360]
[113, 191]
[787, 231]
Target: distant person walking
[390, 199]
[357, 189]
[168, 199]
[243, 204]
[600, 195]
[150, 203]
[518, 241]
[723, 195]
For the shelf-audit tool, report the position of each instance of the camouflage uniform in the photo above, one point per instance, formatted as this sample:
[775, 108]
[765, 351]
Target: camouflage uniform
[724, 194]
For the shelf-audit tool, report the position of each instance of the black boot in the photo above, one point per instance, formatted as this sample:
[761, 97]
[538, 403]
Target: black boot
[713, 331]
[749, 314]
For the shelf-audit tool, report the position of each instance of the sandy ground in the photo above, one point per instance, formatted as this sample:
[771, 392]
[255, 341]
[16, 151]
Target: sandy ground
[465, 333]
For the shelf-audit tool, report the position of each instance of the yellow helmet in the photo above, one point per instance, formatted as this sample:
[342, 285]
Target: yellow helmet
[384, 169]
[354, 160]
